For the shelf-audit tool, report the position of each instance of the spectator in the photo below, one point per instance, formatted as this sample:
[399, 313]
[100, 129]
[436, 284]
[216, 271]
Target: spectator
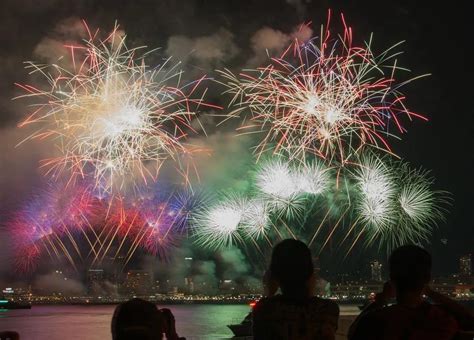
[296, 313]
[9, 335]
[138, 319]
[412, 317]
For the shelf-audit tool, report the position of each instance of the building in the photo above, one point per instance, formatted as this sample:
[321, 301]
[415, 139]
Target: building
[465, 265]
[188, 280]
[137, 282]
[355, 290]
[17, 294]
[189, 285]
[376, 271]
[95, 278]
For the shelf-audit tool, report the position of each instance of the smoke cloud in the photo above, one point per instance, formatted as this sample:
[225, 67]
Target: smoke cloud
[206, 51]
[55, 282]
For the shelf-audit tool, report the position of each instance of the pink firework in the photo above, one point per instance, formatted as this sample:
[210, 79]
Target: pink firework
[34, 232]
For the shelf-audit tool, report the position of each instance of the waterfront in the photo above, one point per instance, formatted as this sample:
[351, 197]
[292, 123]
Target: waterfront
[93, 322]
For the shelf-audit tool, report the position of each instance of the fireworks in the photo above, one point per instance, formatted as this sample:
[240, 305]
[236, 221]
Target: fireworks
[381, 199]
[327, 98]
[68, 223]
[283, 185]
[256, 219]
[276, 179]
[278, 185]
[111, 114]
[419, 205]
[396, 204]
[115, 122]
[312, 178]
[48, 223]
[376, 184]
[218, 225]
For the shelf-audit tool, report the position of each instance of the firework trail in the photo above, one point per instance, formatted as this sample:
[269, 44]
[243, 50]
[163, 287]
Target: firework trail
[112, 116]
[324, 97]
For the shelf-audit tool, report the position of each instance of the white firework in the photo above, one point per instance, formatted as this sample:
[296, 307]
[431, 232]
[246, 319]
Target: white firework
[375, 183]
[256, 219]
[312, 178]
[419, 205]
[277, 181]
[219, 226]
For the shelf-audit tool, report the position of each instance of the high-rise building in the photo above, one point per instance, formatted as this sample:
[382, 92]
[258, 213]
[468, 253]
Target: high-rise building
[376, 271]
[189, 285]
[465, 265]
[188, 280]
[95, 278]
[137, 282]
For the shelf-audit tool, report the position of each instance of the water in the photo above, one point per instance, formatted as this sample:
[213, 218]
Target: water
[93, 322]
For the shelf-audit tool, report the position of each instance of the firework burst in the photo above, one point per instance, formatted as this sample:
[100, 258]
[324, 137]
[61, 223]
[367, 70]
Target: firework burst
[112, 116]
[256, 219]
[420, 207]
[312, 178]
[396, 204]
[324, 97]
[376, 185]
[219, 225]
[35, 231]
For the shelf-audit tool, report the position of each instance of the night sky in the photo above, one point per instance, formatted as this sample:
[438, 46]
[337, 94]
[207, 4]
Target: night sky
[437, 42]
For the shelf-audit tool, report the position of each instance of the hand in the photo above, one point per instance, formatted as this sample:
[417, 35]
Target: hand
[169, 324]
[387, 293]
[427, 291]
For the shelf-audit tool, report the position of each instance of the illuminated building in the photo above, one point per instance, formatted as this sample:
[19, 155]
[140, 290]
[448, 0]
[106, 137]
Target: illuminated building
[95, 277]
[137, 282]
[376, 271]
[465, 265]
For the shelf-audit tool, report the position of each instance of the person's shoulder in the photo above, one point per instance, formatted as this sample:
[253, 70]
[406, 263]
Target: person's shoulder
[378, 315]
[326, 304]
[442, 317]
[266, 302]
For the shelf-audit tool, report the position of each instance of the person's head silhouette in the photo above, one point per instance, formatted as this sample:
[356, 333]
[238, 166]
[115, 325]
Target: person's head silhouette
[292, 267]
[137, 319]
[410, 269]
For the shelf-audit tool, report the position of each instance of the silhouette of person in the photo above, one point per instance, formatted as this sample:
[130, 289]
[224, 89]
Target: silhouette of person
[138, 319]
[412, 317]
[9, 335]
[295, 313]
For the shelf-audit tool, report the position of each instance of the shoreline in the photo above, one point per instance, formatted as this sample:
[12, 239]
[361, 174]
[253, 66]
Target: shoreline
[173, 302]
